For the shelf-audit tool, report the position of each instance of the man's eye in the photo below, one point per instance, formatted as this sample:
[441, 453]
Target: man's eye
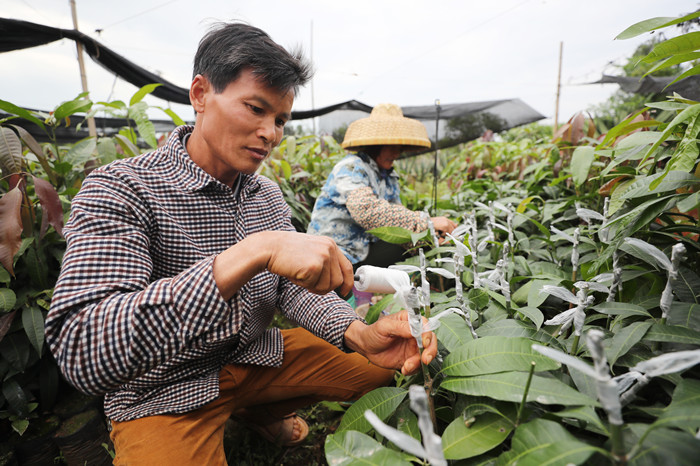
[281, 122]
[256, 110]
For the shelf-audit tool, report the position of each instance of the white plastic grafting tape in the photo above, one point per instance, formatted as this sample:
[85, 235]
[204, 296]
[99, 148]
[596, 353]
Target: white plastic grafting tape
[380, 280]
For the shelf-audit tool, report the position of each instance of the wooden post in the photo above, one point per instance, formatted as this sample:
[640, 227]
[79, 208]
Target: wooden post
[92, 129]
[311, 54]
[556, 105]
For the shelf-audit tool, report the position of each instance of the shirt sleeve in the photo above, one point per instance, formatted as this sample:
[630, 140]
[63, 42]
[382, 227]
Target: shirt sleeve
[371, 212]
[108, 322]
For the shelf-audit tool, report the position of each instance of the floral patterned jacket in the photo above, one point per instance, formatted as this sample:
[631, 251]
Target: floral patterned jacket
[359, 196]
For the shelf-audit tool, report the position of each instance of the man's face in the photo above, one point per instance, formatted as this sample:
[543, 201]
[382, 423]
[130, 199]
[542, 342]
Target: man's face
[387, 156]
[237, 128]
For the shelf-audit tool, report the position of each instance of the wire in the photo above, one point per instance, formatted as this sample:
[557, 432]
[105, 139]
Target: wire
[426, 51]
[36, 11]
[136, 15]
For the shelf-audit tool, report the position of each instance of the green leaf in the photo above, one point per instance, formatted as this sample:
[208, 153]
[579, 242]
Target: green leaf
[506, 328]
[15, 350]
[685, 115]
[81, 152]
[16, 398]
[684, 43]
[477, 298]
[532, 313]
[684, 410]
[393, 235]
[33, 322]
[686, 154]
[353, 448]
[489, 355]
[509, 386]
[10, 152]
[685, 315]
[653, 24]
[672, 181]
[534, 297]
[581, 162]
[642, 138]
[143, 92]
[20, 426]
[672, 61]
[453, 332]
[7, 299]
[687, 286]
[174, 116]
[666, 446]
[286, 169]
[407, 421]
[625, 339]
[586, 414]
[542, 442]
[673, 334]
[418, 236]
[138, 113]
[621, 309]
[71, 107]
[4, 275]
[127, 146]
[375, 310]
[106, 150]
[460, 441]
[381, 401]
[20, 112]
[689, 203]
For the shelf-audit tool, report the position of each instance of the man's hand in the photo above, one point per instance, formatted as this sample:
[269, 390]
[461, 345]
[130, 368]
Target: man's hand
[313, 262]
[388, 343]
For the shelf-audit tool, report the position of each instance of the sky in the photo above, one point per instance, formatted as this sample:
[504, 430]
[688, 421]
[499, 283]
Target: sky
[407, 52]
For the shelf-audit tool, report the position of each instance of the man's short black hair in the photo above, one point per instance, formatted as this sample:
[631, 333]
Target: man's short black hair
[229, 48]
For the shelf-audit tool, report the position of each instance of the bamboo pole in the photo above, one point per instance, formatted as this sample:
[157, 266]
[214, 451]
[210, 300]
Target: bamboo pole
[92, 129]
[556, 105]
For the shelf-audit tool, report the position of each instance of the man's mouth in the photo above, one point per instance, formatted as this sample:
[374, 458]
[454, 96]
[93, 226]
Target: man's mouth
[262, 153]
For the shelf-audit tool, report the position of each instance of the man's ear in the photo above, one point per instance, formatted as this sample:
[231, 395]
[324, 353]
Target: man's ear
[198, 89]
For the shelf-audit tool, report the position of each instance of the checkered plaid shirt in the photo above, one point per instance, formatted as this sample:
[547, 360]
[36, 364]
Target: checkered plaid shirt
[136, 314]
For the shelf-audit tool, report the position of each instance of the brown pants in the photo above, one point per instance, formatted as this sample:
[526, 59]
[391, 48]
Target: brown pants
[313, 370]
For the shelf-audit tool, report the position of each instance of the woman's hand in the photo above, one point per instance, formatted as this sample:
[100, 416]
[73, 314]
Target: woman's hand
[443, 225]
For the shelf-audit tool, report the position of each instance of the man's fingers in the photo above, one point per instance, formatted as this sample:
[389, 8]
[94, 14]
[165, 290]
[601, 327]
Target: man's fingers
[411, 365]
[348, 275]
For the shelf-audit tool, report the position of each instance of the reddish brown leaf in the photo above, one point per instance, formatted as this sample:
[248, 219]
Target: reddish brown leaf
[578, 126]
[50, 205]
[607, 188]
[10, 227]
[561, 131]
[5, 322]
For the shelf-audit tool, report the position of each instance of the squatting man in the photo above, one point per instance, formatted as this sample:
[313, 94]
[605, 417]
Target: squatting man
[177, 260]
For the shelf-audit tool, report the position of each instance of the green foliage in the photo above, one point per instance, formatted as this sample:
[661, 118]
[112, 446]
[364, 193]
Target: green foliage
[561, 231]
[38, 182]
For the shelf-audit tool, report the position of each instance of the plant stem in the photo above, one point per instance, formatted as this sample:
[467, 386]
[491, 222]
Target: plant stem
[574, 345]
[428, 386]
[527, 389]
[618, 446]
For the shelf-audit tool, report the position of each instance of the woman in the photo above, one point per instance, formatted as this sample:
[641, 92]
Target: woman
[362, 191]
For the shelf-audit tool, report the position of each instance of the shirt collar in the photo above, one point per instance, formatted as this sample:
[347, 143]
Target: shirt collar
[192, 177]
[383, 173]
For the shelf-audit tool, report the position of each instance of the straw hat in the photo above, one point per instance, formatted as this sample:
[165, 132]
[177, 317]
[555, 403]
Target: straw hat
[386, 125]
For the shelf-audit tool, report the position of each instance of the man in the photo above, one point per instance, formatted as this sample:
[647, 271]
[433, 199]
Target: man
[177, 260]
